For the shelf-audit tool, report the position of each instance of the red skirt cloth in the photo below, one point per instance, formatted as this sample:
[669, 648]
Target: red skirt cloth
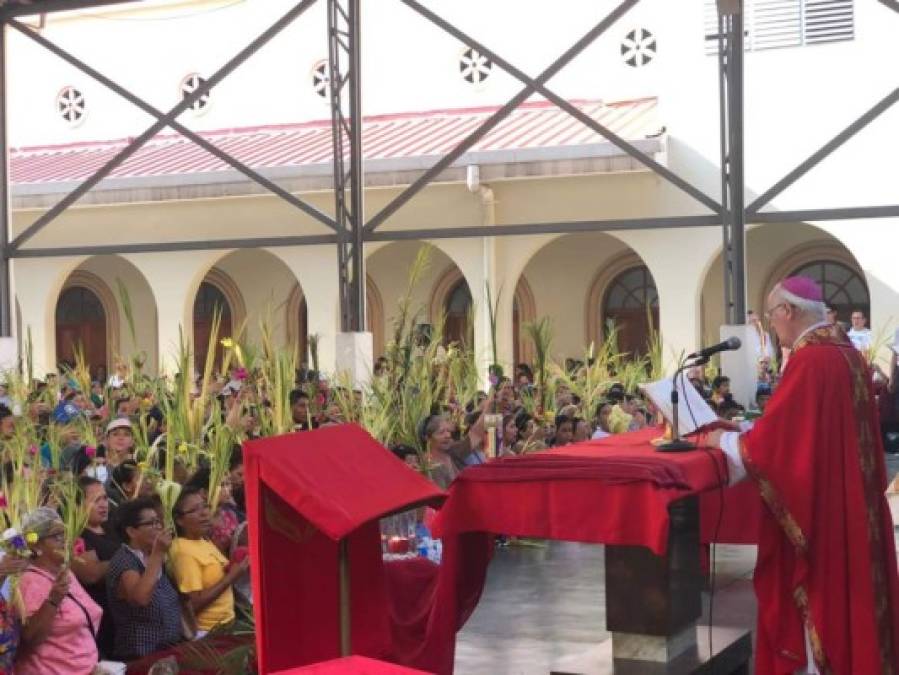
[613, 491]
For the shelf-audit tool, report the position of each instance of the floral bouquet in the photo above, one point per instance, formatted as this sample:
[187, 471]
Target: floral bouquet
[14, 543]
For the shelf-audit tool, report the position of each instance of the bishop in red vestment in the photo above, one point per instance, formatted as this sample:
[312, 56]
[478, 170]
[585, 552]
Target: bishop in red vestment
[826, 576]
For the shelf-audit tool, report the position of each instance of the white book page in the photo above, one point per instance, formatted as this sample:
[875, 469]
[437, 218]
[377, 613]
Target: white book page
[690, 405]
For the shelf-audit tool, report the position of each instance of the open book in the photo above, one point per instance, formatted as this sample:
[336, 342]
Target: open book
[693, 412]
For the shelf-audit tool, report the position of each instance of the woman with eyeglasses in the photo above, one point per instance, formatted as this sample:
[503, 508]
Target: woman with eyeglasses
[142, 599]
[200, 570]
[59, 632]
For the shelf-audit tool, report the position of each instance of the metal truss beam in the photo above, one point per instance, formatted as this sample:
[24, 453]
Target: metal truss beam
[344, 85]
[174, 124]
[155, 128]
[730, 28]
[5, 281]
[523, 229]
[170, 246]
[497, 117]
[568, 227]
[841, 213]
[815, 158]
[568, 107]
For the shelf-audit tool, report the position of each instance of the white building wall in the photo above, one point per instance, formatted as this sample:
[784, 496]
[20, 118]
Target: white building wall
[796, 99]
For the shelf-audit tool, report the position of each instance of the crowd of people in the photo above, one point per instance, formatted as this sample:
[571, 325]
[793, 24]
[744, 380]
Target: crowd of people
[145, 572]
[134, 580]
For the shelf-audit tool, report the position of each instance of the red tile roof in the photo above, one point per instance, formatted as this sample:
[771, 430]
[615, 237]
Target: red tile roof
[404, 135]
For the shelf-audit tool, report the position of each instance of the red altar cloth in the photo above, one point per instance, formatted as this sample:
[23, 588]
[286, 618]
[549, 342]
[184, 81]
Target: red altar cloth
[612, 491]
[351, 665]
[305, 492]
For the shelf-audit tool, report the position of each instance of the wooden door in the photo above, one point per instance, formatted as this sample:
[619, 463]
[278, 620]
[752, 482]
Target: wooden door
[81, 321]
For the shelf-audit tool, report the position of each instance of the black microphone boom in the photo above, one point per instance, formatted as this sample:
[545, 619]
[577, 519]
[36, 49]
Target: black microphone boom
[729, 344]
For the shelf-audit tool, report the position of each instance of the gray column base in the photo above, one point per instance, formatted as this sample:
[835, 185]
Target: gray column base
[655, 648]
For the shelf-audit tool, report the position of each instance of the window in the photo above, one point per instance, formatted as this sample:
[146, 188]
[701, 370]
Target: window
[638, 47]
[844, 288]
[320, 78]
[631, 303]
[772, 24]
[189, 85]
[71, 106]
[457, 328]
[474, 66]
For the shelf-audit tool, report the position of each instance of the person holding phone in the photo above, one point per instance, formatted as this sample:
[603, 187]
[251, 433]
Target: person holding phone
[142, 598]
[59, 633]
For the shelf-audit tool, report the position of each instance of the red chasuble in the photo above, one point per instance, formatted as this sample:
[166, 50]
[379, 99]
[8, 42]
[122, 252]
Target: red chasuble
[827, 558]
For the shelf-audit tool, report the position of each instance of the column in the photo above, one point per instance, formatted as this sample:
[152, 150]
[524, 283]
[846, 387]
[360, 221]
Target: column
[174, 278]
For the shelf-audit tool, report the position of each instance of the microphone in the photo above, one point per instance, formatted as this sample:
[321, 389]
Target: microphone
[729, 344]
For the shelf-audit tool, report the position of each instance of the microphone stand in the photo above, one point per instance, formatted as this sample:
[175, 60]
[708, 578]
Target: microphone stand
[678, 444]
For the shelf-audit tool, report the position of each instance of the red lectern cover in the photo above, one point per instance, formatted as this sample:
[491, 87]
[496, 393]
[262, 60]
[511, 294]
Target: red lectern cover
[305, 492]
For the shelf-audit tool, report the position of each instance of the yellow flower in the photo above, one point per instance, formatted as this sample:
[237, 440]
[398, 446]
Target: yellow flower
[227, 343]
[182, 449]
[143, 466]
[31, 537]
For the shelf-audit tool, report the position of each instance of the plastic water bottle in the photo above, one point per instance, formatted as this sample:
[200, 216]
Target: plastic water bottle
[435, 551]
[423, 537]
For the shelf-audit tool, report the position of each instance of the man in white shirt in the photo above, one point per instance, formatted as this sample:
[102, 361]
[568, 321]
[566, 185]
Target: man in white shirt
[859, 334]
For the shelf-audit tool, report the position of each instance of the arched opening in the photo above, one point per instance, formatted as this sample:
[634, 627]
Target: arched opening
[631, 305]
[81, 323]
[209, 299]
[844, 288]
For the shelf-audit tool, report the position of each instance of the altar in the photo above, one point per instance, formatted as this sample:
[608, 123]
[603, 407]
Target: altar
[651, 510]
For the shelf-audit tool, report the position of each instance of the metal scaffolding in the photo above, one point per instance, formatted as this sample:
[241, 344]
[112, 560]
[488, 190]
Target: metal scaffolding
[351, 230]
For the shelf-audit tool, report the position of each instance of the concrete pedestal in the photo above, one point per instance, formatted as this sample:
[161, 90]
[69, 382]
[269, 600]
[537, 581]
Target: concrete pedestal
[741, 365]
[354, 357]
[9, 353]
[653, 604]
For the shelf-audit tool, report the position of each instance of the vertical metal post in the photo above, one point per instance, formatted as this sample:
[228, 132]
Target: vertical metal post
[343, 563]
[730, 23]
[5, 189]
[345, 84]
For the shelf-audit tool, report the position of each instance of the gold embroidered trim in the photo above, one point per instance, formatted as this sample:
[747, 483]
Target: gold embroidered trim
[769, 493]
[867, 447]
[800, 597]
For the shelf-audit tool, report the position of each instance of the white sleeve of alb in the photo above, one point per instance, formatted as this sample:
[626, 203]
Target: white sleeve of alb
[730, 445]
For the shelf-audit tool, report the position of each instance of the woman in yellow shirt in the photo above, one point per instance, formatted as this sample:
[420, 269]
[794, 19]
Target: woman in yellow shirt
[200, 570]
